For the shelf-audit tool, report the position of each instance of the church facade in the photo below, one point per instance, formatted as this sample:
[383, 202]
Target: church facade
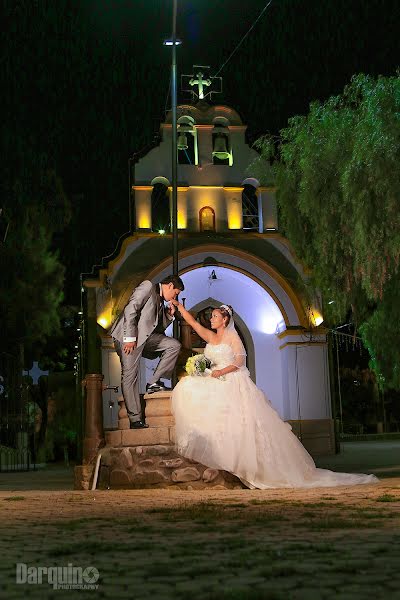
[230, 251]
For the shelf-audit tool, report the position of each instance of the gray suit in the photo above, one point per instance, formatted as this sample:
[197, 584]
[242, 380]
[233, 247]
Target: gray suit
[144, 318]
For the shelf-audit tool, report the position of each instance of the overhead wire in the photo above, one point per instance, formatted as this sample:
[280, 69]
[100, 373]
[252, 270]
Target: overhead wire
[243, 38]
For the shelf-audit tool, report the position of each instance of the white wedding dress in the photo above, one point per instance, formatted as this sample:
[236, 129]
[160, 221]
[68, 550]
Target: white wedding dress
[229, 424]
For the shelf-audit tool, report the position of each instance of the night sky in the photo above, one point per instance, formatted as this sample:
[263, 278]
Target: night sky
[87, 84]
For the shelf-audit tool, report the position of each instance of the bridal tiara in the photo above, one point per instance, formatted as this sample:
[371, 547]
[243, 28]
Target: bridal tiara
[227, 308]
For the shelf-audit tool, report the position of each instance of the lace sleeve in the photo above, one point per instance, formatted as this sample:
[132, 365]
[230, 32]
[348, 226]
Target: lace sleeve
[234, 341]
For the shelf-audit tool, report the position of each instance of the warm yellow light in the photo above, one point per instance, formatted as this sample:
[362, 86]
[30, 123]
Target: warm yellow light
[182, 220]
[103, 322]
[143, 209]
[234, 219]
[317, 318]
[234, 209]
[144, 219]
[234, 222]
[182, 210]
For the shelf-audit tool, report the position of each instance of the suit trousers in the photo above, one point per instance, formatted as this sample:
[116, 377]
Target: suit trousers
[157, 344]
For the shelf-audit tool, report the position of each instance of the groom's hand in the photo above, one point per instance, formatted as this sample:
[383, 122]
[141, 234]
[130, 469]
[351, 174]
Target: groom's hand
[128, 347]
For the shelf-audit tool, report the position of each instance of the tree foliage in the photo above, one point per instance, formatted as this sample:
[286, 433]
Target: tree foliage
[32, 276]
[337, 171]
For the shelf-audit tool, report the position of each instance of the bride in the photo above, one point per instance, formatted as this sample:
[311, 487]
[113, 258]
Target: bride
[224, 421]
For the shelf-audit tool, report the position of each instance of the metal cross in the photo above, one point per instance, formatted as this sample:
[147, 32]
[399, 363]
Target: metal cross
[200, 82]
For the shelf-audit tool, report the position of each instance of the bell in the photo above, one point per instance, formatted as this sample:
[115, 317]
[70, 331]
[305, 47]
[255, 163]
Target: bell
[220, 150]
[182, 142]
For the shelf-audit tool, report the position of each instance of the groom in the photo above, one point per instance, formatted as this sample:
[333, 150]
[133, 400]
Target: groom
[139, 331]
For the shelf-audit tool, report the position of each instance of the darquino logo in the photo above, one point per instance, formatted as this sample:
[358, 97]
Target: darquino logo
[68, 577]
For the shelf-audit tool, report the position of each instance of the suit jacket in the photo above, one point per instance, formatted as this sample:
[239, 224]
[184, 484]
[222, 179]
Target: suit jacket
[140, 316]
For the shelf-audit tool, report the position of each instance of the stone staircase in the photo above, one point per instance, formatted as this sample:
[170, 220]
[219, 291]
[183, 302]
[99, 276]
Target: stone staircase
[159, 418]
[147, 458]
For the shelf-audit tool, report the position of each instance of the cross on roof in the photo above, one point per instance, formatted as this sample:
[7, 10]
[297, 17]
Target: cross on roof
[200, 78]
[200, 82]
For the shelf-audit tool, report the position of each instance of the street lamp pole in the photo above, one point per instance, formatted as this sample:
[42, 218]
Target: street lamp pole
[174, 148]
[174, 159]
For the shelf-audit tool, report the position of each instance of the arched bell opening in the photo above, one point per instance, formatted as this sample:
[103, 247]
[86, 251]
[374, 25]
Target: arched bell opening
[221, 142]
[160, 205]
[251, 205]
[187, 141]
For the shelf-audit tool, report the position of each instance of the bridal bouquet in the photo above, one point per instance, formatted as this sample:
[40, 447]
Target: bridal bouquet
[198, 365]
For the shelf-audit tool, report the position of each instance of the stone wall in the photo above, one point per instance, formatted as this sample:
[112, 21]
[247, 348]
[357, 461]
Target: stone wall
[158, 466]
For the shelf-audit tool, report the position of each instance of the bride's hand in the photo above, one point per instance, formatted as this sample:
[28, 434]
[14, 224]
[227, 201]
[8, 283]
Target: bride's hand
[216, 373]
[171, 309]
[177, 304]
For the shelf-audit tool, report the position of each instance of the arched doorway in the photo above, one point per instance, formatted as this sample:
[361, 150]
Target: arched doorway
[290, 362]
[256, 314]
[207, 219]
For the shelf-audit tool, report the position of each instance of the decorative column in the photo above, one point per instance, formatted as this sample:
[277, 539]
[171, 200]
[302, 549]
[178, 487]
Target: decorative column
[94, 433]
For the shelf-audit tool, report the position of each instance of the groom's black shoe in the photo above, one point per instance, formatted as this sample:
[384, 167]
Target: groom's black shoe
[158, 386]
[138, 425]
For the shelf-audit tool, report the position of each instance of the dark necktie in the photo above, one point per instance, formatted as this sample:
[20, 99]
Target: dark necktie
[160, 313]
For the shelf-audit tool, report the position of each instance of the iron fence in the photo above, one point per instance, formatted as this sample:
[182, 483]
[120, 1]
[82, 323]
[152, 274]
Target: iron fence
[17, 452]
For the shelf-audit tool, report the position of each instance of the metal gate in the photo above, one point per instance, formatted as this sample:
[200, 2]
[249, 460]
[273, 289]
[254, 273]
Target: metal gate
[16, 428]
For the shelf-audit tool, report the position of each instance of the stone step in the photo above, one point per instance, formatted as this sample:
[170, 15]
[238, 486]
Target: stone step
[141, 437]
[160, 421]
[158, 406]
[158, 395]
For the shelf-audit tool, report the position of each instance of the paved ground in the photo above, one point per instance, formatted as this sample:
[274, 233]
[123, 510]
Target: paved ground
[238, 545]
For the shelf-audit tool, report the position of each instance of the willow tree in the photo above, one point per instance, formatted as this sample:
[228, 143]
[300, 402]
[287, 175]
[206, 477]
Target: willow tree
[337, 172]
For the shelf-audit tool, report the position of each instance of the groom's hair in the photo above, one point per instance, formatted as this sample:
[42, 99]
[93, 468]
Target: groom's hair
[177, 281]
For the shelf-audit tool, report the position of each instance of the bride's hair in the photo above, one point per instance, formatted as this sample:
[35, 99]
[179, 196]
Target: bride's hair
[226, 310]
